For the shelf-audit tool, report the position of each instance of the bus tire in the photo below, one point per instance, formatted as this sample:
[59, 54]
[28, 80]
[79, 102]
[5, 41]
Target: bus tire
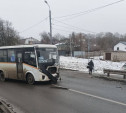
[2, 77]
[30, 79]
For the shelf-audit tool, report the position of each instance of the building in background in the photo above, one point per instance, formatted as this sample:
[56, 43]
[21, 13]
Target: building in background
[30, 41]
[121, 46]
[115, 56]
[63, 49]
[79, 54]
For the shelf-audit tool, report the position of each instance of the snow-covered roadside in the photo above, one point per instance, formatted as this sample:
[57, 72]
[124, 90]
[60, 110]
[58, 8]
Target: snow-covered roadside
[80, 64]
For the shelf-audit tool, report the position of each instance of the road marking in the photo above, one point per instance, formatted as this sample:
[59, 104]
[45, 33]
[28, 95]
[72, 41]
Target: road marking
[60, 87]
[94, 96]
[98, 97]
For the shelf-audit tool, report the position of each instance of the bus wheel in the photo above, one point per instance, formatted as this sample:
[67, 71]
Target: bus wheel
[2, 77]
[30, 79]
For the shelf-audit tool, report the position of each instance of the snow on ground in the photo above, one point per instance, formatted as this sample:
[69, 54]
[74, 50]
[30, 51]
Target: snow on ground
[80, 64]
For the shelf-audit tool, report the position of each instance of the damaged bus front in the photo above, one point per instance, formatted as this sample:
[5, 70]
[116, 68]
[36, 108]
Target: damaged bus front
[48, 63]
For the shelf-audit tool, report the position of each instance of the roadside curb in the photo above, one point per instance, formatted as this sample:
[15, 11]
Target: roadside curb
[5, 108]
[102, 76]
[109, 78]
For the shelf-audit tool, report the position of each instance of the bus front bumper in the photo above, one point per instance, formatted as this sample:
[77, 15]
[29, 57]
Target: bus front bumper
[57, 76]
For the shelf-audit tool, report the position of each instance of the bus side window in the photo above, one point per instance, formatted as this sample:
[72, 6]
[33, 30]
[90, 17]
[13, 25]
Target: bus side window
[29, 58]
[3, 55]
[26, 57]
[11, 56]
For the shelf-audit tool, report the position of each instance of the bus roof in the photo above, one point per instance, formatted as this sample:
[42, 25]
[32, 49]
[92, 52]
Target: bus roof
[27, 46]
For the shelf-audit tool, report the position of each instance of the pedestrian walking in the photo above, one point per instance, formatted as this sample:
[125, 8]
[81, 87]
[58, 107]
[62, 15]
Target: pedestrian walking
[90, 66]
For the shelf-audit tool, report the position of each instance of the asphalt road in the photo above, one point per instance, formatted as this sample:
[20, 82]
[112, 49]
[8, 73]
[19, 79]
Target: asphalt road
[80, 94]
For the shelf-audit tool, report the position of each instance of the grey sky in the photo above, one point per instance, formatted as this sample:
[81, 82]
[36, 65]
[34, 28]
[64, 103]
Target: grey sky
[25, 13]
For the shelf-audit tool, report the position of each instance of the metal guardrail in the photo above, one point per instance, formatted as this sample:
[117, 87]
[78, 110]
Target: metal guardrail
[5, 108]
[121, 72]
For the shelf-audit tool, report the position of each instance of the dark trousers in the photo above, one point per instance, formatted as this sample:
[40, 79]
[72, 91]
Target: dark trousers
[90, 71]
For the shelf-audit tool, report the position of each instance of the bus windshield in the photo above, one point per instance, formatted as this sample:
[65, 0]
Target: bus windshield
[47, 55]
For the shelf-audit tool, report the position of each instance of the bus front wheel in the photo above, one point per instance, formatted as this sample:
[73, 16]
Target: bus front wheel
[2, 77]
[30, 79]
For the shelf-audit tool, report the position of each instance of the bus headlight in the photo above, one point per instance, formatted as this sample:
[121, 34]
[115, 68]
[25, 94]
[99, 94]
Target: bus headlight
[43, 77]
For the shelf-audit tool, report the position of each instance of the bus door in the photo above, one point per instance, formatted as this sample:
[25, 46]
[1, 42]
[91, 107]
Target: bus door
[19, 64]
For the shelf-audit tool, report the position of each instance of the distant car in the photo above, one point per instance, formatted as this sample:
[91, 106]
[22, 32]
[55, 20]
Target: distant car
[124, 67]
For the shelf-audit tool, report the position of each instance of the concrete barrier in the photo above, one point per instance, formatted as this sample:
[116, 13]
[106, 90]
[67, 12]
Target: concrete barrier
[5, 108]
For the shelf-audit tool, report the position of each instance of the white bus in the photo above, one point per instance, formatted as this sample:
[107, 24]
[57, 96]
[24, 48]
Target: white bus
[31, 63]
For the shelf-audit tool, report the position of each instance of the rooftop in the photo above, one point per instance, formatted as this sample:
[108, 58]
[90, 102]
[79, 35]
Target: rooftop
[26, 46]
[122, 42]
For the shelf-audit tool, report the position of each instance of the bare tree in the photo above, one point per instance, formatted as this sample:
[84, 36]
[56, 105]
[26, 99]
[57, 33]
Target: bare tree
[45, 38]
[8, 36]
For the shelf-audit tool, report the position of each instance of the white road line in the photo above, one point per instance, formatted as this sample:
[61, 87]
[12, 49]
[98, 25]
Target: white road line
[94, 96]
[101, 98]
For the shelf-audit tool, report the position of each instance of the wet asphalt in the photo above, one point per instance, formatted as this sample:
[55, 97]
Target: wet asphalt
[80, 94]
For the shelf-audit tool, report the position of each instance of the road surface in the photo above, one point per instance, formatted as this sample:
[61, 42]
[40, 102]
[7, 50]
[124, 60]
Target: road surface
[80, 94]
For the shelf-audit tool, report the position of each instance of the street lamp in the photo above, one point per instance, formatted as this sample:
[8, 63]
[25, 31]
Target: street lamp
[50, 21]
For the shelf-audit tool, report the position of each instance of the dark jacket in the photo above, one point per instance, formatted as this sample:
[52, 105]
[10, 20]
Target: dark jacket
[91, 64]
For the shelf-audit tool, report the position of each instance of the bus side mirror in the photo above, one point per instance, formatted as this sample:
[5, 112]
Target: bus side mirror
[38, 53]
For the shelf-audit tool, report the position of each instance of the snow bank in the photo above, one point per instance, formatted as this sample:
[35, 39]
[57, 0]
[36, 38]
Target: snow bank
[80, 64]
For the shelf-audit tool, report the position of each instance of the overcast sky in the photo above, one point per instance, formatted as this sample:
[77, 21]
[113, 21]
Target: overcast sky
[26, 13]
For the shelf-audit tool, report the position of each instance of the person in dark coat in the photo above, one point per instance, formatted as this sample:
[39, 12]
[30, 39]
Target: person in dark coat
[91, 66]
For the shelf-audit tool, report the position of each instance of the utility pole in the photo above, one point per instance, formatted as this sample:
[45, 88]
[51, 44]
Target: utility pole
[50, 22]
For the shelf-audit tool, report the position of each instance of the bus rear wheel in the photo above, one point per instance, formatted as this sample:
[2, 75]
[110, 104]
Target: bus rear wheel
[2, 77]
[30, 79]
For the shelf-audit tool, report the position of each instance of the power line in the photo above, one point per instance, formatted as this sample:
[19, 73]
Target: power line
[89, 11]
[67, 27]
[85, 12]
[75, 26]
[33, 25]
[62, 30]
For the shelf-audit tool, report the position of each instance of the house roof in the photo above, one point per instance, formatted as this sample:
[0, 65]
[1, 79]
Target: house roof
[59, 44]
[122, 42]
[27, 46]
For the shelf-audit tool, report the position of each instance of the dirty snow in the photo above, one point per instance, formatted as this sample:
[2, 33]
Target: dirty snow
[80, 64]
